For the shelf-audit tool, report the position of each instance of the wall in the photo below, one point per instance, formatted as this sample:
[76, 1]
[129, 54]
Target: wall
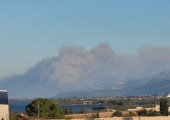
[133, 118]
[121, 118]
[4, 112]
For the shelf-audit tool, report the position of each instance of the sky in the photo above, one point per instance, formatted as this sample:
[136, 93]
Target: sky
[33, 30]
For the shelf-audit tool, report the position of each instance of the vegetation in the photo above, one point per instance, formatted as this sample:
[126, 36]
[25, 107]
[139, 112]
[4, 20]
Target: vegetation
[95, 115]
[99, 108]
[164, 107]
[123, 104]
[14, 115]
[152, 113]
[67, 111]
[82, 111]
[117, 113]
[44, 109]
[142, 112]
[118, 103]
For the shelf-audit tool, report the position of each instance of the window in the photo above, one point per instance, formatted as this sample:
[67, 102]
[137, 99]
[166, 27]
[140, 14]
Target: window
[3, 97]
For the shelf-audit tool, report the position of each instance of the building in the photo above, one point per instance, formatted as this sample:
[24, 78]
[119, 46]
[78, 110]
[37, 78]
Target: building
[4, 108]
[87, 102]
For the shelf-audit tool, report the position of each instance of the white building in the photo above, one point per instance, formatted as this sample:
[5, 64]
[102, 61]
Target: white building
[4, 108]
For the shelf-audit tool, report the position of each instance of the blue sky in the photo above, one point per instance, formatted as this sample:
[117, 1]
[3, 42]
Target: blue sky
[32, 30]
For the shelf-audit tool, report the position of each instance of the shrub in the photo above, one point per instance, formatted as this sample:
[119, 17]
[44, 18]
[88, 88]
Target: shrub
[117, 113]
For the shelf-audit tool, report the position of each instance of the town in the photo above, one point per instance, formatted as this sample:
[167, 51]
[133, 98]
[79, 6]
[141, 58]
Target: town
[119, 107]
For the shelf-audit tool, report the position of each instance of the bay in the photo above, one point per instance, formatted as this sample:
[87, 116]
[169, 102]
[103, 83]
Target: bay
[19, 106]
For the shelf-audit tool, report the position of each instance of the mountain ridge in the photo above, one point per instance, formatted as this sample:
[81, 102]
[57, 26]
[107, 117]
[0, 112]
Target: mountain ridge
[159, 83]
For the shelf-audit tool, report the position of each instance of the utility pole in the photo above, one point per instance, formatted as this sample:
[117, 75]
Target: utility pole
[38, 110]
[107, 111]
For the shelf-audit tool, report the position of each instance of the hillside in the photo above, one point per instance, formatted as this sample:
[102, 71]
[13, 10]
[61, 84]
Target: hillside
[159, 83]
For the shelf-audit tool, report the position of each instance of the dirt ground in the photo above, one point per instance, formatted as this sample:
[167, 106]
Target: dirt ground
[88, 115]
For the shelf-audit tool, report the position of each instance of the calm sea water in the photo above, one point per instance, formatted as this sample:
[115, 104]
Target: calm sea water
[20, 106]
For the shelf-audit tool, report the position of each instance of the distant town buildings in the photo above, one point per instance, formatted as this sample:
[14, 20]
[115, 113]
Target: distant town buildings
[168, 96]
[87, 102]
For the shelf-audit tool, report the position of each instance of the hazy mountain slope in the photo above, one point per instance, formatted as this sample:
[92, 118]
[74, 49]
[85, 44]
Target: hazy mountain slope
[150, 85]
[155, 84]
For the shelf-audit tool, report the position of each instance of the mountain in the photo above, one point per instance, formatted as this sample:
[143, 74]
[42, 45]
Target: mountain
[159, 83]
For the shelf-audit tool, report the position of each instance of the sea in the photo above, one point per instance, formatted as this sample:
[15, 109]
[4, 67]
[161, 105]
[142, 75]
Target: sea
[19, 106]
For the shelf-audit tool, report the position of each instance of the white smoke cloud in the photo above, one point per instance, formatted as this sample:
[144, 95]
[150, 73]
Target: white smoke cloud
[77, 69]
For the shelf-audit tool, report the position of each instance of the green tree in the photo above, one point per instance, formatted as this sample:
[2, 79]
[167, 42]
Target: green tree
[142, 112]
[117, 113]
[152, 113]
[46, 109]
[83, 110]
[97, 115]
[67, 111]
[163, 107]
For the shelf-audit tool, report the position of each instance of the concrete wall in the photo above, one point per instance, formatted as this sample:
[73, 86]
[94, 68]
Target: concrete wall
[133, 118]
[121, 118]
[4, 112]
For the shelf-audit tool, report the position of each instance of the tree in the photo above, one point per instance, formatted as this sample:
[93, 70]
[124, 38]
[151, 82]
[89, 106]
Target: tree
[67, 111]
[83, 110]
[97, 115]
[163, 107]
[44, 109]
[142, 112]
[117, 113]
[152, 113]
